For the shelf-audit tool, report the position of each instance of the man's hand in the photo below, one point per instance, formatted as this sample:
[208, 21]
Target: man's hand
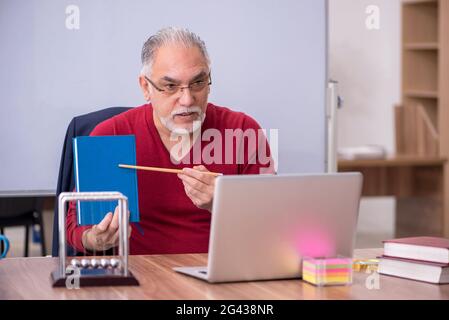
[105, 235]
[198, 186]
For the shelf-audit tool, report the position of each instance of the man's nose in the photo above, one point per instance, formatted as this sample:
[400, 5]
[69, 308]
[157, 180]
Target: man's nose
[186, 98]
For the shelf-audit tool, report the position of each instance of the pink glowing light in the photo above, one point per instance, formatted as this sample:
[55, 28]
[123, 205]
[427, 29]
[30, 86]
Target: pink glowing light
[315, 242]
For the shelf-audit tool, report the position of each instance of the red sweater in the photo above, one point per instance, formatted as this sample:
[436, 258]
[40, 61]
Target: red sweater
[171, 223]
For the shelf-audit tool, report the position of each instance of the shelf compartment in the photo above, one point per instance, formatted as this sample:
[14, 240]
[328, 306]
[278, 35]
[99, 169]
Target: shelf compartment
[420, 21]
[420, 72]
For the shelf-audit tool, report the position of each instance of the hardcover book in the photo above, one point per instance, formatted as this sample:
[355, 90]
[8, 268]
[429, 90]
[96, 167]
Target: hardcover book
[432, 249]
[96, 161]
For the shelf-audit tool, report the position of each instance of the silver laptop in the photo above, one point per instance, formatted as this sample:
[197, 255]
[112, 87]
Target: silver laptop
[263, 225]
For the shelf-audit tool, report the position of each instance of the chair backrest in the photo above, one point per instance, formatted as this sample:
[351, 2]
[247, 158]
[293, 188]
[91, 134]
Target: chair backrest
[79, 126]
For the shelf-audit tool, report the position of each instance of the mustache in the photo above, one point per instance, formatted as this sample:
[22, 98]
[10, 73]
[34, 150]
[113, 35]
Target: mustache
[181, 110]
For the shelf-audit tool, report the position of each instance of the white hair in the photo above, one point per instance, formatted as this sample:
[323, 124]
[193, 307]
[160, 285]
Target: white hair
[169, 35]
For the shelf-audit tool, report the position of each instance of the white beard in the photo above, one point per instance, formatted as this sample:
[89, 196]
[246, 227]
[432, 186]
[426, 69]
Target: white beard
[174, 129]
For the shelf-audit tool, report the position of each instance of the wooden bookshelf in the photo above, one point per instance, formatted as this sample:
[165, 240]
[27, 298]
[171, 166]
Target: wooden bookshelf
[418, 176]
[443, 103]
[425, 113]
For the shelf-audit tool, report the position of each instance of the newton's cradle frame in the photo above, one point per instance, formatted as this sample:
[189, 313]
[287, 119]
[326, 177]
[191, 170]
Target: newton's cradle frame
[95, 271]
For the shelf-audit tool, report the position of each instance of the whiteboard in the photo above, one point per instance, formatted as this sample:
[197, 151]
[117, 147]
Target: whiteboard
[269, 60]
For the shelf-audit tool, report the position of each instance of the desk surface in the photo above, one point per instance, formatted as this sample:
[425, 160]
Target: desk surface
[29, 278]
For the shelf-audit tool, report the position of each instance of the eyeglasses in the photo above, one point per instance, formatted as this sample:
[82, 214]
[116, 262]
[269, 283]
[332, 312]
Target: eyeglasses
[171, 88]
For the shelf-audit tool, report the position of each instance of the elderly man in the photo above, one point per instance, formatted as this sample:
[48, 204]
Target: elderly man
[175, 210]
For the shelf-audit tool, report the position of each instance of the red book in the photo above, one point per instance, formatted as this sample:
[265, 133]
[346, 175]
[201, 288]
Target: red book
[414, 269]
[431, 249]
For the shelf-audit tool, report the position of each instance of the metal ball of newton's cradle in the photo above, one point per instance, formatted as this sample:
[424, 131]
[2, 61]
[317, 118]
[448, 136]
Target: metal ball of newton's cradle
[104, 263]
[114, 263]
[94, 263]
[85, 263]
[75, 263]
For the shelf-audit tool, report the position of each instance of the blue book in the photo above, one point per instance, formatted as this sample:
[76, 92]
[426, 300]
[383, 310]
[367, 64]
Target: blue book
[96, 161]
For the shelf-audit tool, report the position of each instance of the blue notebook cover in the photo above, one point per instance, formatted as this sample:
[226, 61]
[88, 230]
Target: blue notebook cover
[96, 161]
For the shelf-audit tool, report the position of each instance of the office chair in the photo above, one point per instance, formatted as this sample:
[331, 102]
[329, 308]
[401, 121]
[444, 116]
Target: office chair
[25, 212]
[79, 126]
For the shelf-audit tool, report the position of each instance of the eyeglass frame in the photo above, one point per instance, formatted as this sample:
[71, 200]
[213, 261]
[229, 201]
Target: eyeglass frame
[180, 88]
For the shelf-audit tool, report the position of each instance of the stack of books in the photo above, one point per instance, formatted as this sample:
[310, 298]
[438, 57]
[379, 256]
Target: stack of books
[419, 258]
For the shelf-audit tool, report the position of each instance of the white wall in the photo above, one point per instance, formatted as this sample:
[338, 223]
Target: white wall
[268, 60]
[367, 65]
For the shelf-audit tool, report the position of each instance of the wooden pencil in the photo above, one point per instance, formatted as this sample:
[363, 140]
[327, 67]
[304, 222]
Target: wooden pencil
[167, 170]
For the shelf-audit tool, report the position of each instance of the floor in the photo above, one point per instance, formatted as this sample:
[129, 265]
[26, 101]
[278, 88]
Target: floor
[376, 223]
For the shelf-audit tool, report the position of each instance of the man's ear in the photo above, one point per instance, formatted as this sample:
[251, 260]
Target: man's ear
[144, 86]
